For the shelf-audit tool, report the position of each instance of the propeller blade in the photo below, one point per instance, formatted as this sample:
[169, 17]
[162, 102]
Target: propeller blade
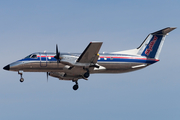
[57, 54]
[47, 76]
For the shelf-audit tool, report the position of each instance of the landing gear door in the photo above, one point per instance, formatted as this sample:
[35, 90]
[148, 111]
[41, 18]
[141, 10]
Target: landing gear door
[43, 60]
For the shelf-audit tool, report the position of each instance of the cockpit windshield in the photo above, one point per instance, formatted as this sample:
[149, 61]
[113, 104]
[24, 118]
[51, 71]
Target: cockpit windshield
[31, 56]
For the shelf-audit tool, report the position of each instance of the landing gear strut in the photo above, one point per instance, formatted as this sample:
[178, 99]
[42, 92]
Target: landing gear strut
[21, 79]
[75, 87]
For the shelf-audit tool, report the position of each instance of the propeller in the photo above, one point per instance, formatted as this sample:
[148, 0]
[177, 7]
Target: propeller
[57, 56]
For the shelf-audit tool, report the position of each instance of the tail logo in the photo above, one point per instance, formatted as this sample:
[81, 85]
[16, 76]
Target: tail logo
[151, 45]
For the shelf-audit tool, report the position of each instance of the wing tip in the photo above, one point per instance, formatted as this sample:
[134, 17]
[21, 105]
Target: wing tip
[96, 42]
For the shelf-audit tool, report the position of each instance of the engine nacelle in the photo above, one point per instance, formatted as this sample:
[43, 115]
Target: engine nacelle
[63, 76]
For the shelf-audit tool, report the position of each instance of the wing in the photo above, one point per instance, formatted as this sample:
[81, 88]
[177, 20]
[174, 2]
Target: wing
[78, 68]
[90, 54]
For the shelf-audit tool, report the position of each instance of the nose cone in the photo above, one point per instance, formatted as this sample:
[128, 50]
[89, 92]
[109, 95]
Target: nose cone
[6, 67]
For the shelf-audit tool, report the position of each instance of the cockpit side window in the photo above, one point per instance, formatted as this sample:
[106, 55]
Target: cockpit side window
[33, 56]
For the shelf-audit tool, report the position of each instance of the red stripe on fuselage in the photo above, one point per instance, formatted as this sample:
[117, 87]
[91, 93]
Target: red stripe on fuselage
[45, 56]
[118, 57]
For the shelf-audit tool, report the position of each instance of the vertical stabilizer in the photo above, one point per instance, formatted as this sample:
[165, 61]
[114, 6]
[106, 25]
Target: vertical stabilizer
[152, 45]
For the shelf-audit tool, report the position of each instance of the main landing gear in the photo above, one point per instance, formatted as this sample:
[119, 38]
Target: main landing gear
[75, 87]
[84, 76]
[21, 79]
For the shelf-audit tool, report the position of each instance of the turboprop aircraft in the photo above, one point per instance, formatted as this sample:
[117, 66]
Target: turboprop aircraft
[75, 66]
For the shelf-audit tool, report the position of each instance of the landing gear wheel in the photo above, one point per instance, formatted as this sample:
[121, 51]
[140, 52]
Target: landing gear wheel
[86, 75]
[75, 87]
[22, 80]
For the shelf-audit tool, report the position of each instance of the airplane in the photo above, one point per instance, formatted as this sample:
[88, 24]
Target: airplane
[75, 66]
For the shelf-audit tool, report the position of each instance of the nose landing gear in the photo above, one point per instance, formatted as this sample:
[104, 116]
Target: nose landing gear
[21, 79]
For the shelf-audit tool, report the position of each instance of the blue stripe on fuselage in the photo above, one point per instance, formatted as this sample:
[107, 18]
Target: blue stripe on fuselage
[105, 60]
[38, 59]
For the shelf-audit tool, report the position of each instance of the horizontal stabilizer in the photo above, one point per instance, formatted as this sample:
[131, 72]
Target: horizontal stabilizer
[164, 31]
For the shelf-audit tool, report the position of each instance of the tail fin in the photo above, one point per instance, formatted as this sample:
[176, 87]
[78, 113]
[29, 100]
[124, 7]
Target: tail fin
[152, 45]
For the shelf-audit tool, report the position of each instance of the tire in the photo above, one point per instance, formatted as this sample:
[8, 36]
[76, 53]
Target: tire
[75, 87]
[22, 80]
[86, 75]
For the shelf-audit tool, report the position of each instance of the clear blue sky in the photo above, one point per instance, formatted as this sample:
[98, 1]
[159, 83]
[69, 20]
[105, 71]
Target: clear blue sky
[37, 25]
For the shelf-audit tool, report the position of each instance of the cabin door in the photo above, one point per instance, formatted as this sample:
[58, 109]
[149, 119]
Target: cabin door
[43, 60]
